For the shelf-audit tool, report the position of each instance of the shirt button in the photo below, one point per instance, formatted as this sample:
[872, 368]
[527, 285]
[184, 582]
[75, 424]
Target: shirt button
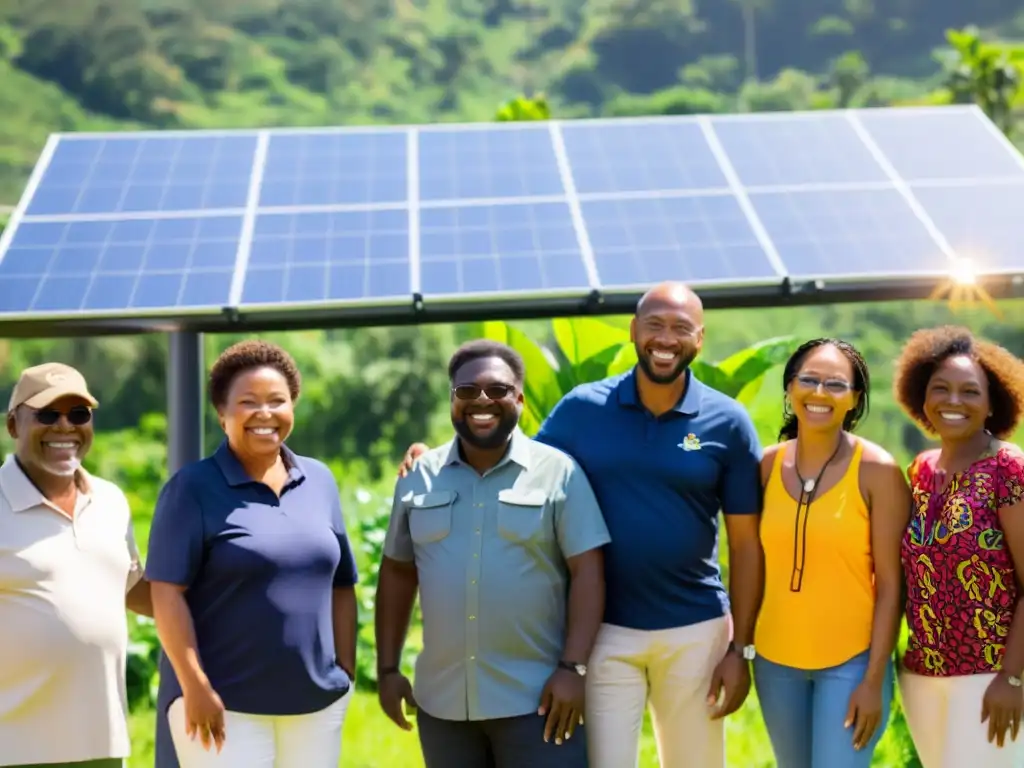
[472, 658]
[473, 581]
[471, 618]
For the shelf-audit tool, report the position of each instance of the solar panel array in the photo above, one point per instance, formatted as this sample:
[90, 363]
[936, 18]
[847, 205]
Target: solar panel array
[174, 223]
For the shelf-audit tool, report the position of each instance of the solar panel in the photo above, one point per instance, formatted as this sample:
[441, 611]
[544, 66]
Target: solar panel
[695, 239]
[617, 157]
[334, 168]
[499, 248]
[853, 232]
[123, 174]
[195, 222]
[305, 258]
[819, 148]
[953, 145]
[982, 224]
[509, 163]
[120, 265]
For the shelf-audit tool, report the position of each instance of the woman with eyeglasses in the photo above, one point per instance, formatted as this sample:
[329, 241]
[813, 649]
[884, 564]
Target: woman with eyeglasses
[961, 674]
[835, 507]
[252, 579]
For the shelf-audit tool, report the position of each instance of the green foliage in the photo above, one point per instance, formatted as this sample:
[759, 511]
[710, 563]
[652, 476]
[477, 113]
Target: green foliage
[523, 108]
[142, 676]
[987, 74]
[367, 536]
[105, 65]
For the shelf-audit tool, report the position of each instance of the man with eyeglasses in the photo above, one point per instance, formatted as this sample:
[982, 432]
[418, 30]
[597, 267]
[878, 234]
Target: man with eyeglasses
[68, 568]
[502, 537]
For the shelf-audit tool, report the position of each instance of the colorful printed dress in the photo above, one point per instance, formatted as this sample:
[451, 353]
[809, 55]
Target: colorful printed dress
[961, 581]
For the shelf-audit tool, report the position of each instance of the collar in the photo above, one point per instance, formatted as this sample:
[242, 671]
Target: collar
[22, 494]
[518, 451]
[688, 405]
[235, 473]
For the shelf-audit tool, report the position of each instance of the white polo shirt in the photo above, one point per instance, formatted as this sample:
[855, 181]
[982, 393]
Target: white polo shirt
[63, 628]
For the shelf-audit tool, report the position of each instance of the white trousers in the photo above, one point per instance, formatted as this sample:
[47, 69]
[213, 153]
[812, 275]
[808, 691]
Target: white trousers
[944, 715]
[671, 669]
[265, 741]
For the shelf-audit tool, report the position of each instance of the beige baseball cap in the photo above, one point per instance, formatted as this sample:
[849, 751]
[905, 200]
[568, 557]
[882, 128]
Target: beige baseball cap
[41, 385]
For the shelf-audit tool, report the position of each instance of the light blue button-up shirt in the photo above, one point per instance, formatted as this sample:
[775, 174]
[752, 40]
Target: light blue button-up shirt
[491, 553]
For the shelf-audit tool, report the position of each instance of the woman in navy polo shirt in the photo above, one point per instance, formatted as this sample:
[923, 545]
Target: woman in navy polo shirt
[253, 586]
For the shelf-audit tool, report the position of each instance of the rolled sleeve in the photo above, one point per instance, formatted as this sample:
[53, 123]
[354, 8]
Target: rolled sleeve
[579, 523]
[135, 568]
[398, 540]
[346, 574]
[176, 535]
[740, 488]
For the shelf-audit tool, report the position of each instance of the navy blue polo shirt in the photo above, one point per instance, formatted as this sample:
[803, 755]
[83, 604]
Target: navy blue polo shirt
[661, 482]
[260, 572]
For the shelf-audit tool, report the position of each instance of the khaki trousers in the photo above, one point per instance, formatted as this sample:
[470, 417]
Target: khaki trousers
[944, 715]
[671, 670]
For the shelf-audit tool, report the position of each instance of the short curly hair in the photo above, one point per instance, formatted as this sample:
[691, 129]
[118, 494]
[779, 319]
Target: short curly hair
[928, 348]
[246, 356]
[484, 348]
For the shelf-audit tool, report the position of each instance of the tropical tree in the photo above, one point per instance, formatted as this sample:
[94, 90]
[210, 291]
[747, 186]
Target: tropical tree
[988, 74]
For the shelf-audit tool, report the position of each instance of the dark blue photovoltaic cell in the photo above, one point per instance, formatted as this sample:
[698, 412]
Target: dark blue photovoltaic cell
[328, 257]
[335, 168]
[640, 156]
[119, 265]
[802, 149]
[141, 174]
[488, 248]
[474, 164]
[954, 144]
[983, 223]
[694, 239]
[840, 233]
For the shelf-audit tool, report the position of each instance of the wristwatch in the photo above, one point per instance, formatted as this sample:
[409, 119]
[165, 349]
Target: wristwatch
[1014, 681]
[747, 651]
[579, 669]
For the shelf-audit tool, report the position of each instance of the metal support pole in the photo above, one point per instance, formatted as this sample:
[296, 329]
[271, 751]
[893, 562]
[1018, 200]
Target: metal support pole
[184, 400]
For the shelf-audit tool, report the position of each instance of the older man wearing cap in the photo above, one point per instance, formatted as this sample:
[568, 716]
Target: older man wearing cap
[67, 562]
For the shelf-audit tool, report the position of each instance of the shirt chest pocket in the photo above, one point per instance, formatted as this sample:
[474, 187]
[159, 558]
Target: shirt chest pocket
[430, 516]
[521, 514]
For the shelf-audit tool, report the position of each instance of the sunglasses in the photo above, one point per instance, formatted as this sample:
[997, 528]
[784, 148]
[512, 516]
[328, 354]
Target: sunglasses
[832, 386]
[493, 391]
[78, 416]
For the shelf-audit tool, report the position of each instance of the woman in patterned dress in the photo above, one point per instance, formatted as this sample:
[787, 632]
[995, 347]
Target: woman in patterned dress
[961, 675]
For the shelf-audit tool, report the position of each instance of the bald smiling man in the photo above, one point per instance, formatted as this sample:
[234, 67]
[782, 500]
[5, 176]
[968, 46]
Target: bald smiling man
[664, 454]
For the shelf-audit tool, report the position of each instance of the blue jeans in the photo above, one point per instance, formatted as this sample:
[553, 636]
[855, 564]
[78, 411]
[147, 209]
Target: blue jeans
[804, 711]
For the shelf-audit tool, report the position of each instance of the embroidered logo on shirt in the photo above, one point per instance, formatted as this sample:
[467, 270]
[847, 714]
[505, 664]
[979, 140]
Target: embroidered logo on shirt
[690, 443]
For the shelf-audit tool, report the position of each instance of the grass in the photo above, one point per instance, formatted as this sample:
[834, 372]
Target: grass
[372, 741]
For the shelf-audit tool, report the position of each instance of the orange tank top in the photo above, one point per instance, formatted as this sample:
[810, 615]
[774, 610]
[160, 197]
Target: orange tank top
[819, 596]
